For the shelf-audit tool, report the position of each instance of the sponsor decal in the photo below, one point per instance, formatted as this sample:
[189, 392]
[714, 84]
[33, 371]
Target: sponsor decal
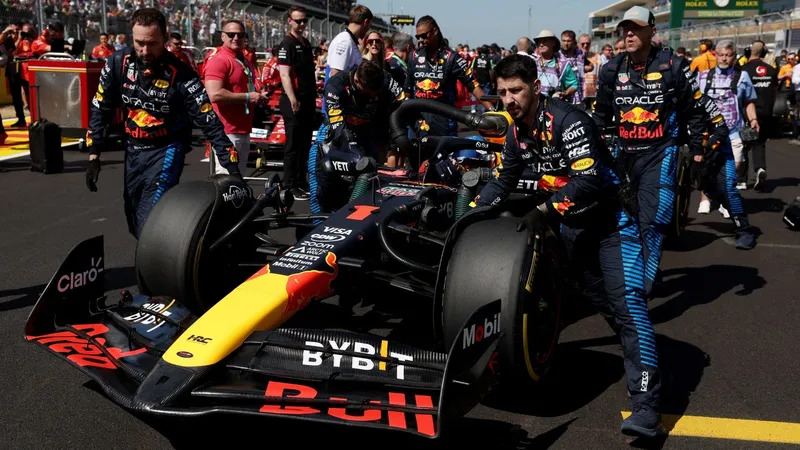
[131, 73]
[334, 112]
[194, 87]
[316, 358]
[310, 285]
[476, 333]
[235, 195]
[645, 381]
[83, 352]
[552, 183]
[761, 70]
[279, 392]
[421, 59]
[580, 151]
[572, 134]
[428, 85]
[138, 103]
[718, 119]
[199, 339]
[361, 213]
[563, 206]
[335, 230]
[582, 164]
[653, 76]
[399, 191]
[206, 107]
[623, 77]
[640, 100]
[74, 280]
[697, 94]
[100, 88]
[638, 115]
[335, 119]
[526, 185]
[145, 315]
[161, 84]
[98, 96]
[319, 237]
[233, 155]
[185, 354]
[641, 132]
[341, 166]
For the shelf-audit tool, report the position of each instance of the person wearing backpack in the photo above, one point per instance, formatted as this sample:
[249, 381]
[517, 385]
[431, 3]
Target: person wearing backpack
[733, 92]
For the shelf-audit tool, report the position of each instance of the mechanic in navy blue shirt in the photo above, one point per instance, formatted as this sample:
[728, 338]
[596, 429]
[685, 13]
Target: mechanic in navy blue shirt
[556, 139]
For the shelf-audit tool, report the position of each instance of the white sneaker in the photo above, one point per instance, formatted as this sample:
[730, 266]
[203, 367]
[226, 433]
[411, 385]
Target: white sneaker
[741, 186]
[724, 212]
[761, 177]
[704, 208]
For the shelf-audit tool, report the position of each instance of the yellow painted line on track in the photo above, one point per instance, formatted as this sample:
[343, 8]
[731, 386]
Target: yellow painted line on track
[738, 429]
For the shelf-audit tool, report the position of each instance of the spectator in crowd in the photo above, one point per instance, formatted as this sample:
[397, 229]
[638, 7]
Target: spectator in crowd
[590, 81]
[102, 50]
[785, 72]
[322, 59]
[680, 51]
[372, 49]
[175, 46]
[706, 60]
[120, 42]
[8, 44]
[298, 102]
[557, 80]
[619, 46]
[796, 107]
[524, 46]
[765, 81]
[388, 45]
[781, 60]
[344, 52]
[271, 75]
[606, 54]
[398, 63]
[571, 55]
[234, 91]
[248, 51]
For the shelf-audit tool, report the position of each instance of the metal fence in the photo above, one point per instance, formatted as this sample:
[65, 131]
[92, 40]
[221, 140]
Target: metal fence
[777, 30]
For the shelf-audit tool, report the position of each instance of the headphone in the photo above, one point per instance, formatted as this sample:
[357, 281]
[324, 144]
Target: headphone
[748, 51]
[706, 45]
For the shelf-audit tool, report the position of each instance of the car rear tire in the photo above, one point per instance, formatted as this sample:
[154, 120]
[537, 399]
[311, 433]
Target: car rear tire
[491, 260]
[169, 255]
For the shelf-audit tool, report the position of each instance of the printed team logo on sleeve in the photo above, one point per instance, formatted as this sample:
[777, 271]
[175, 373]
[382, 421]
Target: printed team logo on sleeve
[582, 164]
[697, 94]
[206, 107]
[653, 76]
[719, 118]
[161, 84]
[334, 112]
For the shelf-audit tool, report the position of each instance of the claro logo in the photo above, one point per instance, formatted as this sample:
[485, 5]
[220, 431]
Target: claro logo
[74, 280]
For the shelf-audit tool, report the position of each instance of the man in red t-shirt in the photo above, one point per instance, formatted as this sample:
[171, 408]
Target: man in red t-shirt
[234, 89]
[103, 50]
[51, 39]
[271, 75]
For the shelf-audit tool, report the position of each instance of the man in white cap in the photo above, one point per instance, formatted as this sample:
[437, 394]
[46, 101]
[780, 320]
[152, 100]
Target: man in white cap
[557, 77]
[646, 93]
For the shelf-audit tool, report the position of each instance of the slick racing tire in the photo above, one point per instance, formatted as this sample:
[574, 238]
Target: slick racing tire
[491, 260]
[171, 244]
[683, 193]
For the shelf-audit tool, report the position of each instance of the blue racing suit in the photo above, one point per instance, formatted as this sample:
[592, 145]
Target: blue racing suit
[159, 103]
[649, 104]
[602, 240]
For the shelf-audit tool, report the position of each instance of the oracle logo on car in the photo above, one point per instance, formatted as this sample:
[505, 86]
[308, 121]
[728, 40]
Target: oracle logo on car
[477, 333]
[74, 280]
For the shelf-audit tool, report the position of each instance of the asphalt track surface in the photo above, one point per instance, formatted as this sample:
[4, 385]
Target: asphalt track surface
[726, 321]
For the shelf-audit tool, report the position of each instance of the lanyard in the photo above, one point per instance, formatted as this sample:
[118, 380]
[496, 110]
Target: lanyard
[250, 84]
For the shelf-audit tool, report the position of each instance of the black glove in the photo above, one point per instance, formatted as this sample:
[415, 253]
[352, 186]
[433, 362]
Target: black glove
[533, 223]
[233, 170]
[92, 174]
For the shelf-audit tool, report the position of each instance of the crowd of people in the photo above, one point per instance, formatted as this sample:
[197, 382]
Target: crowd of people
[563, 97]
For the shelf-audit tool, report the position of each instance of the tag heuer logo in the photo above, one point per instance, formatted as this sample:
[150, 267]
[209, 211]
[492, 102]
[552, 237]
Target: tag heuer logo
[623, 77]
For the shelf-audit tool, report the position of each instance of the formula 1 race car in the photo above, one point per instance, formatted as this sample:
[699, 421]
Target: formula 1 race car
[215, 327]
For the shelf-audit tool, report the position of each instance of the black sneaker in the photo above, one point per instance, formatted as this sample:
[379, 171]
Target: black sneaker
[20, 124]
[761, 177]
[300, 194]
[643, 422]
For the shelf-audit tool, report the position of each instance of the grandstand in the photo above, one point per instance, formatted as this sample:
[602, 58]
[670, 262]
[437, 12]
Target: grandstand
[776, 22]
[199, 21]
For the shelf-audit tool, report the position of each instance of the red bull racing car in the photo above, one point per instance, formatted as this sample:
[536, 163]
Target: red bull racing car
[217, 327]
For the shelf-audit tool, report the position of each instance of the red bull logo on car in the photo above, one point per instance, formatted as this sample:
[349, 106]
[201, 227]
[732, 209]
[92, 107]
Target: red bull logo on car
[638, 115]
[306, 286]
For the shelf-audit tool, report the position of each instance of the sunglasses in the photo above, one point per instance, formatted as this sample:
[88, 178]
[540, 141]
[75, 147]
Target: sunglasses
[240, 35]
[423, 35]
[584, 44]
[300, 21]
[374, 41]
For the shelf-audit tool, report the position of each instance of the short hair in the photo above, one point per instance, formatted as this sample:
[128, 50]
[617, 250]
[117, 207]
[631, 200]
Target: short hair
[388, 41]
[238, 22]
[618, 41]
[56, 26]
[177, 36]
[146, 17]
[402, 40]
[359, 14]
[103, 34]
[569, 33]
[370, 75]
[608, 46]
[517, 66]
[726, 43]
[428, 20]
[680, 50]
[295, 9]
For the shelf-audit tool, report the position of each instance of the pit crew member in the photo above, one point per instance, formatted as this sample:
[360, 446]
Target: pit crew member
[557, 140]
[358, 102]
[433, 70]
[160, 97]
[647, 93]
